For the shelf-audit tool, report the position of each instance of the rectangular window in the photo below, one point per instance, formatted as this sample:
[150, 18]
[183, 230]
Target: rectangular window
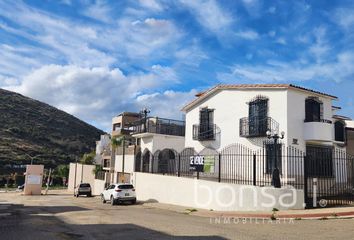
[313, 112]
[257, 115]
[271, 155]
[319, 161]
[206, 124]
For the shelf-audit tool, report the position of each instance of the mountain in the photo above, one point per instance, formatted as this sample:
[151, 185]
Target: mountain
[30, 128]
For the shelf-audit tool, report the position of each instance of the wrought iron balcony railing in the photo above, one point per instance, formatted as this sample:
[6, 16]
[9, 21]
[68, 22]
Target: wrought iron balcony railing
[204, 132]
[159, 126]
[257, 126]
[318, 120]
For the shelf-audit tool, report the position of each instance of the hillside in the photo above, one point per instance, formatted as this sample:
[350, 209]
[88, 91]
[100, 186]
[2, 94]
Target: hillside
[50, 135]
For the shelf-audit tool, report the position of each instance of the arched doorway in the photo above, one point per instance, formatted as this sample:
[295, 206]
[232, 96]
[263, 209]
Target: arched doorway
[138, 162]
[166, 161]
[146, 161]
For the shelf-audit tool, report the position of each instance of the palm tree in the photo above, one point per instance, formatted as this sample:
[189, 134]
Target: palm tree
[88, 158]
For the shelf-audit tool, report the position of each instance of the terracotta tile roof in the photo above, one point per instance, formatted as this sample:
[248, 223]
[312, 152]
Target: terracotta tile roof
[204, 94]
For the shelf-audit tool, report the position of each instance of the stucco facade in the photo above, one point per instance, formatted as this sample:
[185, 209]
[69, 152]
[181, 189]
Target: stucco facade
[286, 106]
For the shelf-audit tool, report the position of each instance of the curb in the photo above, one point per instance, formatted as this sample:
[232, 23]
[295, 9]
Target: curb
[308, 216]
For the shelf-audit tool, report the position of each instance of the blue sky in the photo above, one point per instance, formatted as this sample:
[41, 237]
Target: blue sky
[95, 59]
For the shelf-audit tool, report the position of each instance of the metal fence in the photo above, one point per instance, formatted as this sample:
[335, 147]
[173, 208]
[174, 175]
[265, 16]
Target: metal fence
[323, 174]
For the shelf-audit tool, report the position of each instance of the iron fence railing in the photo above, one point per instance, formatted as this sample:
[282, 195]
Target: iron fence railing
[318, 120]
[257, 126]
[159, 126]
[320, 173]
[204, 132]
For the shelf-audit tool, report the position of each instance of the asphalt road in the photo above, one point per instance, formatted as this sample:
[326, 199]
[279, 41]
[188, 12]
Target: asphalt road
[61, 216]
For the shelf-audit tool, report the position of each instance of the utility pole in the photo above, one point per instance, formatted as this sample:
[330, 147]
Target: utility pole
[48, 181]
[75, 173]
[145, 111]
[123, 159]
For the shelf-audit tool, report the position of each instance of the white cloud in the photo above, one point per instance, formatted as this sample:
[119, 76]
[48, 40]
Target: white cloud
[99, 11]
[272, 10]
[248, 34]
[274, 71]
[151, 4]
[210, 15]
[166, 104]
[320, 48]
[253, 7]
[281, 41]
[344, 17]
[94, 94]
[272, 33]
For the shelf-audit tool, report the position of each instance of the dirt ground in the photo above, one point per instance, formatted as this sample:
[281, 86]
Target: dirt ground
[61, 216]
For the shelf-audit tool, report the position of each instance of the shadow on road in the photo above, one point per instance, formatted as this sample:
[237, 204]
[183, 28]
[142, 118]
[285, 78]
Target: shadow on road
[38, 222]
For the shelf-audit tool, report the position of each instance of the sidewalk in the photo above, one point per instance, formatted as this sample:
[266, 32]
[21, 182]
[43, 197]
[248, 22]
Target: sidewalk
[318, 213]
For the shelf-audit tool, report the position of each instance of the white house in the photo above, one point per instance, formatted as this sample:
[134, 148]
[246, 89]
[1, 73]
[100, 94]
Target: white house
[227, 114]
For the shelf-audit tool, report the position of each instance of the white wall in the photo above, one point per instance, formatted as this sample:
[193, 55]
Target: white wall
[296, 116]
[155, 142]
[83, 174]
[208, 195]
[98, 187]
[285, 106]
[128, 163]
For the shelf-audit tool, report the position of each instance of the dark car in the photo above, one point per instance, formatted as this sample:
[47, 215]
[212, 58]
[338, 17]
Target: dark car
[83, 189]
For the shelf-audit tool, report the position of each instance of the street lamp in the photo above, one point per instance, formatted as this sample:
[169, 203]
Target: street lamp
[276, 174]
[145, 111]
[32, 157]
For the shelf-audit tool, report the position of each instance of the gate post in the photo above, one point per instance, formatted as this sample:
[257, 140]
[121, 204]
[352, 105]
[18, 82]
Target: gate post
[219, 177]
[254, 170]
[305, 181]
[179, 165]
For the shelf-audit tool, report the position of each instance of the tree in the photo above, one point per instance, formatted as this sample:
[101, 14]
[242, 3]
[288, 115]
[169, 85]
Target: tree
[97, 169]
[88, 158]
[117, 141]
[63, 170]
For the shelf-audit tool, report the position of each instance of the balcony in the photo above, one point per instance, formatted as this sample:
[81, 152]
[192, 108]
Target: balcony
[257, 127]
[321, 130]
[159, 126]
[204, 132]
[120, 131]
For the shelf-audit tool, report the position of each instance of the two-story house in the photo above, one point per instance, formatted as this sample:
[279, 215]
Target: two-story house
[227, 114]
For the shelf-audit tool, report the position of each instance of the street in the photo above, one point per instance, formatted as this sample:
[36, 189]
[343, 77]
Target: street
[61, 216]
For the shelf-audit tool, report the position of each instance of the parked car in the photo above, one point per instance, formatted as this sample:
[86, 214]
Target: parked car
[119, 192]
[83, 189]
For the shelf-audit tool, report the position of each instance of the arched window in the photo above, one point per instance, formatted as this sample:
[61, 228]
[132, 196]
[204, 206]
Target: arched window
[339, 131]
[313, 110]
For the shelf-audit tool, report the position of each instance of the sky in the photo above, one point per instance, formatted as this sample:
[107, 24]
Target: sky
[95, 59]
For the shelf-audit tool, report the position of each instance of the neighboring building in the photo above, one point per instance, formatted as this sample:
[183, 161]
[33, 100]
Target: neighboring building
[121, 124]
[160, 137]
[228, 114]
[103, 147]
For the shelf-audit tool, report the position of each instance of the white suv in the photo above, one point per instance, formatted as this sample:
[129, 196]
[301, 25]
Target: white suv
[119, 192]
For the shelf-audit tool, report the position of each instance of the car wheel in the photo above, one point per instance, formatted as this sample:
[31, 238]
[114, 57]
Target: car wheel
[102, 198]
[113, 202]
[134, 201]
[88, 195]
